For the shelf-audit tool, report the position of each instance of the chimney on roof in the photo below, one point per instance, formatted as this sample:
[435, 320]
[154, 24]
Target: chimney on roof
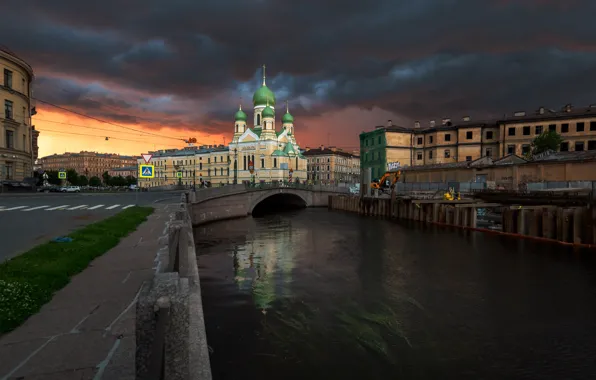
[306, 149]
[568, 107]
[333, 149]
[465, 118]
[541, 111]
[432, 123]
[389, 123]
[445, 121]
[593, 105]
[322, 147]
[416, 124]
[520, 113]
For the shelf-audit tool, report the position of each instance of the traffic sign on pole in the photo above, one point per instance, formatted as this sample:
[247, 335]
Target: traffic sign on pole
[146, 171]
[147, 157]
[61, 175]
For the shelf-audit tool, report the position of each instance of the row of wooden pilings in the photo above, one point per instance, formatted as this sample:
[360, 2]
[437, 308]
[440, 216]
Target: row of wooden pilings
[576, 225]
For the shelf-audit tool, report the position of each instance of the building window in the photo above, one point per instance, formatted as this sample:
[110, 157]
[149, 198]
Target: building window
[8, 174]
[564, 147]
[468, 158]
[275, 163]
[593, 126]
[208, 172]
[221, 171]
[579, 127]
[447, 153]
[564, 128]
[469, 135]
[552, 127]
[379, 140]
[244, 163]
[7, 78]
[262, 162]
[489, 152]
[8, 113]
[592, 145]
[9, 139]
[419, 156]
[579, 146]
[538, 130]
[419, 140]
[447, 136]
[258, 119]
[489, 135]
[430, 155]
[511, 149]
[511, 131]
[525, 149]
[526, 131]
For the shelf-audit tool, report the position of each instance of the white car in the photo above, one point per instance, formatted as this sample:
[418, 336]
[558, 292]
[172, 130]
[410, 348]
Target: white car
[70, 189]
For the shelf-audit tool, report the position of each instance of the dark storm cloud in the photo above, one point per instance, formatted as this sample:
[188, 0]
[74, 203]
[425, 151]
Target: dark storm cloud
[422, 59]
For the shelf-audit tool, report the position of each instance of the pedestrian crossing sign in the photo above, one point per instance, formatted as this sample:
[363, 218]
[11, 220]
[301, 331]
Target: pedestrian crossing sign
[178, 174]
[146, 171]
[61, 175]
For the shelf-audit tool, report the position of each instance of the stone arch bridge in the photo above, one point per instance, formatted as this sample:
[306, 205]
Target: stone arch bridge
[235, 201]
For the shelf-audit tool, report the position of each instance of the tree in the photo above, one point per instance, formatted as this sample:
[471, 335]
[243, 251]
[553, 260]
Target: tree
[548, 140]
[130, 180]
[53, 177]
[94, 181]
[106, 178]
[72, 177]
[83, 181]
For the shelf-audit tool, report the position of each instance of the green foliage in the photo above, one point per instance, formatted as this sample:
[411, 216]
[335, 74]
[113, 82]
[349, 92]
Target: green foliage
[106, 178]
[548, 140]
[30, 280]
[72, 177]
[94, 181]
[83, 181]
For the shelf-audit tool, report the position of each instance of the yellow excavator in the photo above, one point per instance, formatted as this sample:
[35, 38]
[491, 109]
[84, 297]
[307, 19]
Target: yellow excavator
[451, 195]
[387, 182]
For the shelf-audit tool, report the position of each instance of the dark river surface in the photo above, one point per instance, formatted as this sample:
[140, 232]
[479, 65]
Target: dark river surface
[314, 294]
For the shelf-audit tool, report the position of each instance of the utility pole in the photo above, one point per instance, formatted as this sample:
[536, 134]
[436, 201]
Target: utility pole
[235, 166]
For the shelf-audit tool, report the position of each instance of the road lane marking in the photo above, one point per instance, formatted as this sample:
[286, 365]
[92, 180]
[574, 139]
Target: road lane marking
[94, 207]
[76, 207]
[35, 208]
[125, 207]
[56, 208]
[13, 208]
[112, 207]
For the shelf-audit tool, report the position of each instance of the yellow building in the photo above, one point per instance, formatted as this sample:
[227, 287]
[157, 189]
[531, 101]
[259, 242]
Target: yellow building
[16, 151]
[468, 140]
[189, 166]
[332, 165]
[264, 152]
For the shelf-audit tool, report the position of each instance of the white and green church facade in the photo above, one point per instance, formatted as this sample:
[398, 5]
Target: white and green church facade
[272, 150]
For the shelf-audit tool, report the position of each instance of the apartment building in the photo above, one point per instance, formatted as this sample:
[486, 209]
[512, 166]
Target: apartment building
[16, 132]
[332, 165]
[91, 164]
[467, 140]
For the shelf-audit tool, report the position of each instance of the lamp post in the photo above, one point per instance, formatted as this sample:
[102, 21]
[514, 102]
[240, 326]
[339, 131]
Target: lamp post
[235, 166]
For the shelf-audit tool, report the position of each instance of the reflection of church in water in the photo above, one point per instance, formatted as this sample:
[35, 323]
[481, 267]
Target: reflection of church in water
[264, 267]
[274, 154]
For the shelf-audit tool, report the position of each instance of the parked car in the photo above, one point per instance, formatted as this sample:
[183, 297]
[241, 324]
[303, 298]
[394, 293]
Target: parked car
[70, 189]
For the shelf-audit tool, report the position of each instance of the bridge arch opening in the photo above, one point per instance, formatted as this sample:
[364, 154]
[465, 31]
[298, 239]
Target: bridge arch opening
[278, 202]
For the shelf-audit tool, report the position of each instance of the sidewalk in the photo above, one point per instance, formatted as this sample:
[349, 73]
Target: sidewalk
[87, 331]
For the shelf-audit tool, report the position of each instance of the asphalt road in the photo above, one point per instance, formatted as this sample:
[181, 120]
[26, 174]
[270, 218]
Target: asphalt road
[32, 219]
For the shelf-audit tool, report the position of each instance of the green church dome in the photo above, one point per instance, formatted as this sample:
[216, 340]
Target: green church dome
[268, 112]
[263, 96]
[287, 118]
[240, 115]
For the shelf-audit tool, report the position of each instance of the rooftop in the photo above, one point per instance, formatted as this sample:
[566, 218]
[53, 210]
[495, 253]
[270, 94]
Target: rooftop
[331, 150]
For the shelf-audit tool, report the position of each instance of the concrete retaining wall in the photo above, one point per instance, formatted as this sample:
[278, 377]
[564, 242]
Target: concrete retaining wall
[171, 336]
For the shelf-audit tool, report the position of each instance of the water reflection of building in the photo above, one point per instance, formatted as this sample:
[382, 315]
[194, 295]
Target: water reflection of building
[264, 264]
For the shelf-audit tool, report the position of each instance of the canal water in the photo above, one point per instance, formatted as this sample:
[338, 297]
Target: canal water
[314, 294]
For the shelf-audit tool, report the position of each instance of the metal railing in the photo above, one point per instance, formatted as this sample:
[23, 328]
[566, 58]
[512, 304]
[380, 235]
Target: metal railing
[405, 187]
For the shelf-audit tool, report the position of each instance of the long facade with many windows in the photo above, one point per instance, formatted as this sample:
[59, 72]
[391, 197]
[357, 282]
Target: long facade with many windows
[332, 165]
[17, 134]
[468, 140]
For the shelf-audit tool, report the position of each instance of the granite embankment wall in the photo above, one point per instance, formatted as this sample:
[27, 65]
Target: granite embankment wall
[566, 225]
[170, 326]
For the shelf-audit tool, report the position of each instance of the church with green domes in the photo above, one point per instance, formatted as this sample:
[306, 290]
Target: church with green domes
[262, 151]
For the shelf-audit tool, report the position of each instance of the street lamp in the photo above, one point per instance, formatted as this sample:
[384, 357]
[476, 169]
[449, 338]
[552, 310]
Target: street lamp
[235, 166]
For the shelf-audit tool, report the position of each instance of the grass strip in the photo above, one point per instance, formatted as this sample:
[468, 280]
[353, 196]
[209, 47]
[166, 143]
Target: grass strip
[29, 281]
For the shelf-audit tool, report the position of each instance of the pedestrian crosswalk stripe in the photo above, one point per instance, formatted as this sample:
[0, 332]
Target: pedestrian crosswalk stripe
[125, 207]
[94, 207]
[35, 208]
[111, 207]
[57, 208]
[14, 208]
[77, 207]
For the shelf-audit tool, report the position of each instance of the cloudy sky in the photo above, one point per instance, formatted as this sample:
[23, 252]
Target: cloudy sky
[179, 68]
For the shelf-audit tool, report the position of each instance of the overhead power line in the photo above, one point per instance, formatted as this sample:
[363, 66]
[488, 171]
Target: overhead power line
[50, 131]
[107, 122]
